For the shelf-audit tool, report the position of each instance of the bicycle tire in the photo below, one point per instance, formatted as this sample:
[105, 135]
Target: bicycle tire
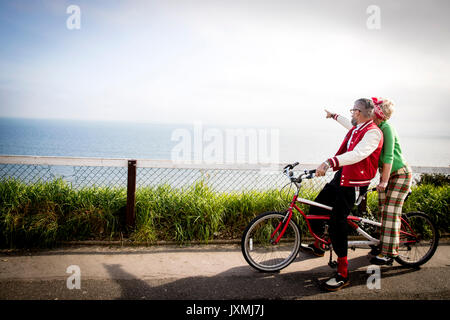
[417, 249]
[257, 248]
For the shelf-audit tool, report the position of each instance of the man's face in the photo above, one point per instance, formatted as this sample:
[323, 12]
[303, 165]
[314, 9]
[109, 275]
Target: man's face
[356, 114]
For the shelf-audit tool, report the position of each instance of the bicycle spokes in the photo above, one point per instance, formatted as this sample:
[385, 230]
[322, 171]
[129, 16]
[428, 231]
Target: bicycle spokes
[407, 234]
[281, 228]
[270, 243]
[275, 232]
[418, 239]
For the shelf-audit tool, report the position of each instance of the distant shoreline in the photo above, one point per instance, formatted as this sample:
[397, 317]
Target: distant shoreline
[124, 139]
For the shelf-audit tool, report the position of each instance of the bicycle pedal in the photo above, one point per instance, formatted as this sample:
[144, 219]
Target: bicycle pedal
[333, 264]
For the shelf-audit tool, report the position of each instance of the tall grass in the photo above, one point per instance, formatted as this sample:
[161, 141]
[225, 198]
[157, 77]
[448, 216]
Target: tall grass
[42, 214]
[164, 213]
[197, 212]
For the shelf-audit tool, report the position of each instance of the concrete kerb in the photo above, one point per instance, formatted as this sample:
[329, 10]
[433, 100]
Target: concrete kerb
[444, 239]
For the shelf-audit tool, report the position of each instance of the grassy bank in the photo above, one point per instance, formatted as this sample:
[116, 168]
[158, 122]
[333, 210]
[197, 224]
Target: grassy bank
[43, 214]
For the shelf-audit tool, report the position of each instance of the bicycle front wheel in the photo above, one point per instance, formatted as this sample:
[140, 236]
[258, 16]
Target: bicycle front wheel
[419, 239]
[258, 245]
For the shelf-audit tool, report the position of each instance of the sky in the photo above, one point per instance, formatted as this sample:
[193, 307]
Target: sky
[272, 63]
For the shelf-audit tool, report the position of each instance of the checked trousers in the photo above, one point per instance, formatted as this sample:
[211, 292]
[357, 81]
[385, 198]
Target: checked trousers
[390, 203]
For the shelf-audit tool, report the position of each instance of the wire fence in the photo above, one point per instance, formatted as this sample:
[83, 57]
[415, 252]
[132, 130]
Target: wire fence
[91, 172]
[82, 173]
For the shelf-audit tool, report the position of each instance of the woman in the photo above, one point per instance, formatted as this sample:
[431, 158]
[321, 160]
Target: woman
[394, 185]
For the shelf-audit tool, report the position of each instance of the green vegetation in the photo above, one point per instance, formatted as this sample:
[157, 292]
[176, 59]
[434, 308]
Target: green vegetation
[43, 214]
[436, 179]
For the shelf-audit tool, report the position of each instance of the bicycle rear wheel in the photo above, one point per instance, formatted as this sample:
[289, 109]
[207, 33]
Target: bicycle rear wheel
[258, 245]
[419, 239]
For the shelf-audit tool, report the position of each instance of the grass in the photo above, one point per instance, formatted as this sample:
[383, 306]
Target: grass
[197, 212]
[42, 214]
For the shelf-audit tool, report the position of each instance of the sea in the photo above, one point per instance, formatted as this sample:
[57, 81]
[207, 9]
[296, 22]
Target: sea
[196, 141]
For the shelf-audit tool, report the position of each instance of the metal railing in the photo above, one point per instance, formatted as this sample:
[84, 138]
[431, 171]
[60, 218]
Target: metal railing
[132, 174]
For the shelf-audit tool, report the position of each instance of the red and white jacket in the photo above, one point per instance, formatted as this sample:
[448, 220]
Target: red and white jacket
[359, 153]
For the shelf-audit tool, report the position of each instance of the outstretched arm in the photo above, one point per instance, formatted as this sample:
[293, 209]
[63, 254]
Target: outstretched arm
[340, 119]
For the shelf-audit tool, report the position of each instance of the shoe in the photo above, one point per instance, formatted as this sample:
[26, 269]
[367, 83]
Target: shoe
[381, 260]
[336, 282]
[311, 248]
[376, 250]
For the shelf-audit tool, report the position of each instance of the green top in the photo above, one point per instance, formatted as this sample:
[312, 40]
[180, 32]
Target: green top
[391, 152]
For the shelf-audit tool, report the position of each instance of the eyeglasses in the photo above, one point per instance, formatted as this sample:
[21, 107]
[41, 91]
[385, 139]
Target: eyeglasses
[353, 110]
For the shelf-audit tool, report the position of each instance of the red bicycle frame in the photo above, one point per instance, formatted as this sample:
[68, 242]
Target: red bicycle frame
[286, 221]
[350, 220]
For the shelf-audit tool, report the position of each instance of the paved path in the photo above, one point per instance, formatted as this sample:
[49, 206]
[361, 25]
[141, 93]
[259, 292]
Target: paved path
[204, 273]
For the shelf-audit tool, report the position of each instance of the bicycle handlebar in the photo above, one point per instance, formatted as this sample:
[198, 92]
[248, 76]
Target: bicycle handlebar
[308, 174]
[291, 166]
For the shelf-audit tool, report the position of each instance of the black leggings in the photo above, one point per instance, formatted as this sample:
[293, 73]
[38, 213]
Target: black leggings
[342, 200]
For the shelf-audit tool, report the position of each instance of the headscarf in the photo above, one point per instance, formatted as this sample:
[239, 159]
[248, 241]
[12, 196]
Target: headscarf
[377, 109]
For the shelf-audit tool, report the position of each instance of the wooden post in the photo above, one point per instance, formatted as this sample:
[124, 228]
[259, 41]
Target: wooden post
[131, 193]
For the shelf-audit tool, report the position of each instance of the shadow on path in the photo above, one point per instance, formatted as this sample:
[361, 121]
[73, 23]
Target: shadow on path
[242, 283]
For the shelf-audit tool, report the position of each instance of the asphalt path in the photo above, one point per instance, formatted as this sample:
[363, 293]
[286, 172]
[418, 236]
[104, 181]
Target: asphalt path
[205, 272]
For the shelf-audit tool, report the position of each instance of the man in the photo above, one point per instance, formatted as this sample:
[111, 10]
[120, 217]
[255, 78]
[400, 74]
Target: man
[356, 163]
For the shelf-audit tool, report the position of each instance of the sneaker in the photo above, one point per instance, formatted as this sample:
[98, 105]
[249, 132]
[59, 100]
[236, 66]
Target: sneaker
[311, 248]
[336, 282]
[382, 260]
[376, 250]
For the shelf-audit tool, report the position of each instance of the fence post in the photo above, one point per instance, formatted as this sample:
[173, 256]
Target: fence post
[131, 194]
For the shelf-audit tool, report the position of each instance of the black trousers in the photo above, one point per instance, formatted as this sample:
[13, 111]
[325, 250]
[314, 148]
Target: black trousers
[342, 200]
